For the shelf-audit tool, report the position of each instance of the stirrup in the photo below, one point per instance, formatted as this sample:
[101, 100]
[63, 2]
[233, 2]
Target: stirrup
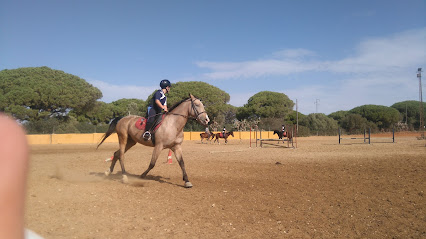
[146, 135]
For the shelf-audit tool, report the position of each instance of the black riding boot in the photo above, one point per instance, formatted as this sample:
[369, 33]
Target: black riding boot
[147, 134]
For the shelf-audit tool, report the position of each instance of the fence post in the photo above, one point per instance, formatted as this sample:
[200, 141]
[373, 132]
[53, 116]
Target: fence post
[339, 135]
[364, 135]
[393, 135]
[369, 135]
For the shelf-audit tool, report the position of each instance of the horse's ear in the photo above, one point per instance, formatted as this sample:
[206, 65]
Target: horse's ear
[191, 96]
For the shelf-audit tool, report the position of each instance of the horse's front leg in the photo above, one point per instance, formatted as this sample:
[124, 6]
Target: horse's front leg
[178, 153]
[155, 153]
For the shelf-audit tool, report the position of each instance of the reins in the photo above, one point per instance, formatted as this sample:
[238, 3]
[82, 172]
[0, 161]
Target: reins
[193, 108]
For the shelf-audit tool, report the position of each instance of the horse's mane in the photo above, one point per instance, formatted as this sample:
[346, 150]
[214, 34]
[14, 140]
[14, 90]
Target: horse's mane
[177, 104]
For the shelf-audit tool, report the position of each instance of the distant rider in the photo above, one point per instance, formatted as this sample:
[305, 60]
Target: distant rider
[207, 131]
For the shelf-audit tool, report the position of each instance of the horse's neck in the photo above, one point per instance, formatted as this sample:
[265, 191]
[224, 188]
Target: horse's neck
[182, 112]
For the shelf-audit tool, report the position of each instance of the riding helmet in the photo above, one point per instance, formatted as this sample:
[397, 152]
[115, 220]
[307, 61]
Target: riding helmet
[164, 83]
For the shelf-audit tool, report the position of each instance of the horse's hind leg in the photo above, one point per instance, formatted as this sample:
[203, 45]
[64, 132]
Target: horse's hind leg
[119, 155]
[130, 143]
[178, 153]
[113, 162]
[155, 153]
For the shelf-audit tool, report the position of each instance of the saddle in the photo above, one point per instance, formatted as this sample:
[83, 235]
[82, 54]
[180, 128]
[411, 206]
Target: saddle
[141, 124]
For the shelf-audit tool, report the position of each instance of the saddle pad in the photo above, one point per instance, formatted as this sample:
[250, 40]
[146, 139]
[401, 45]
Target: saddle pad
[140, 123]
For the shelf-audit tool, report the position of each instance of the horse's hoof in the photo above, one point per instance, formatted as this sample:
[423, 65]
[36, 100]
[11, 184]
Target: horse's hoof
[188, 185]
[125, 179]
[108, 172]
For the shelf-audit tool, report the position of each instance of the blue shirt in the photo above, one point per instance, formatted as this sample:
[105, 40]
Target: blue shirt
[159, 95]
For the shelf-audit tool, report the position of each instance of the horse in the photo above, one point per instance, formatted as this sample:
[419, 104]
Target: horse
[169, 135]
[280, 134]
[207, 136]
[220, 135]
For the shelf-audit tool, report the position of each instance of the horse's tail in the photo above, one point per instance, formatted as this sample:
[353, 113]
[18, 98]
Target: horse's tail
[110, 130]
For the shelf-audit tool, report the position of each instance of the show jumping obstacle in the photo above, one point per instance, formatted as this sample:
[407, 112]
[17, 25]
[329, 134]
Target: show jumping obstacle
[290, 140]
[366, 138]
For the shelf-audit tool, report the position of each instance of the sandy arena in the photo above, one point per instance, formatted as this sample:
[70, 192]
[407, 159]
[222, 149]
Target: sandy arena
[319, 190]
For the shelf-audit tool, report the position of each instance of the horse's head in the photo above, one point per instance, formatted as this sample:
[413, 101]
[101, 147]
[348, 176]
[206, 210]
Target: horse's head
[231, 133]
[275, 131]
[197, 111]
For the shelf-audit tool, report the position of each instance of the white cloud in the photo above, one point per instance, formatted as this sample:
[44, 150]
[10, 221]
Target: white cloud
[380, 71]
[255, 69]
[115, 92]
[294, 53]
[407, 49]
[385, 54]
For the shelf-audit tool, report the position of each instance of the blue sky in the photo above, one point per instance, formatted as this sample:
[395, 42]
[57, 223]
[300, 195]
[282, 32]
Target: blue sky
[340, 54]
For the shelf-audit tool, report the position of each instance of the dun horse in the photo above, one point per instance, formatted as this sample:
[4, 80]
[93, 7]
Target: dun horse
[207, 136]
[169, 135]
[224, 136]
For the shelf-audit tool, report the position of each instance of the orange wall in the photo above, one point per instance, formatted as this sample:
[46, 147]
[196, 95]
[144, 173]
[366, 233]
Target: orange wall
[95, 138]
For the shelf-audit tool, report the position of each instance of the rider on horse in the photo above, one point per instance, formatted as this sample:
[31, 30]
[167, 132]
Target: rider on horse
[207, 131]
[157, 104]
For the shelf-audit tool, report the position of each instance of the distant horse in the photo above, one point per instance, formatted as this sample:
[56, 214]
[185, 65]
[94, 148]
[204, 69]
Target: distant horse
[280, 133]
[207, 136]
[169, 135]
[220, 135]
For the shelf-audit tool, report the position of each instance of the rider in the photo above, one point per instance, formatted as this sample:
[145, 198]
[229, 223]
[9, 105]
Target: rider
[207, 130]
[283, 129]
[157, 104]
[223, 131]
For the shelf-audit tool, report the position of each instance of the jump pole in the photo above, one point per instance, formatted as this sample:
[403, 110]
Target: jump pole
[250, 137]
[369, 136]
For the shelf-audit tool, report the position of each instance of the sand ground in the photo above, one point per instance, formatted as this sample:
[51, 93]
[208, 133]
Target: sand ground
[319, 190]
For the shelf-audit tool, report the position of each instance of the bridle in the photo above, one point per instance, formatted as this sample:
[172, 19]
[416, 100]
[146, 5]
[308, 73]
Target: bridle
[197, 114]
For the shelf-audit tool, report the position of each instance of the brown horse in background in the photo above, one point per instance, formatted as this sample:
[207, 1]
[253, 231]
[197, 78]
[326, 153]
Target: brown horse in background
[220, 135]
[207, 136]
[168, 135]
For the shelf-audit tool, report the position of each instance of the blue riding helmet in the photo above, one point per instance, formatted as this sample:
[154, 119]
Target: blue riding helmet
[164, 83]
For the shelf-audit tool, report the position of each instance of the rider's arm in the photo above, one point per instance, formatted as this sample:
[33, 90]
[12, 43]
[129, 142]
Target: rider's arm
[164, 107]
